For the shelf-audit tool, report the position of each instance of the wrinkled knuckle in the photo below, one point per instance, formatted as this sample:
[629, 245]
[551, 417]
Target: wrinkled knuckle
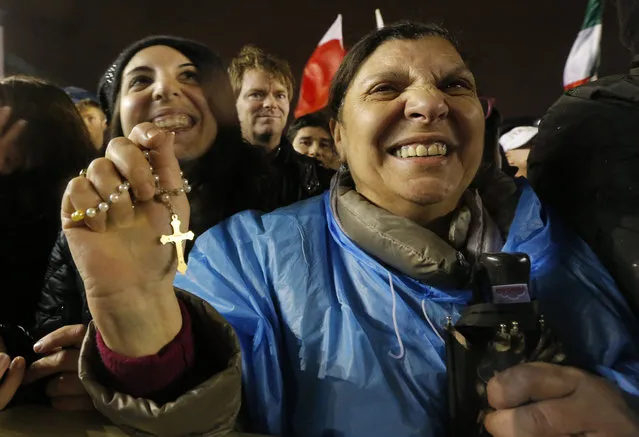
[540, 419]
[100, 166]
[77, 184]
[57, 359]
[117, 142]
[116, 145]
[65, 358]
[78, 332]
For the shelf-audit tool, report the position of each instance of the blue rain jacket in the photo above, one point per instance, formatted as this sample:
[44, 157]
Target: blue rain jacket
[314, 315]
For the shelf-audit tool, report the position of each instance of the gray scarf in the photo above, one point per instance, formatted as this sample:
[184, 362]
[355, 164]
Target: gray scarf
[410, 248]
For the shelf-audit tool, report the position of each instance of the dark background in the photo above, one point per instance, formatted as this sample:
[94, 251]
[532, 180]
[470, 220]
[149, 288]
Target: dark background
[518, 47]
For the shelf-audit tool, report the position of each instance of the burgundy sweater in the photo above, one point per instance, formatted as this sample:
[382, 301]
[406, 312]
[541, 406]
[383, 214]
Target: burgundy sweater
[151, 375]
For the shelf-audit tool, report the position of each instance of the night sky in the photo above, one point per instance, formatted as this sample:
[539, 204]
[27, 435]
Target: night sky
[517, 48]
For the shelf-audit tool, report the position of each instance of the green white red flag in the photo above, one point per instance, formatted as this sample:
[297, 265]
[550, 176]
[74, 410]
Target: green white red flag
[583, 61]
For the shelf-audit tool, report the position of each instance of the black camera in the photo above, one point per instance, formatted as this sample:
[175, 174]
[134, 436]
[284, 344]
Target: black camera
[501, 328]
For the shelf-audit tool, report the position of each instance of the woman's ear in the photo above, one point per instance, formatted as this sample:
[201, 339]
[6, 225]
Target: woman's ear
[336, 132]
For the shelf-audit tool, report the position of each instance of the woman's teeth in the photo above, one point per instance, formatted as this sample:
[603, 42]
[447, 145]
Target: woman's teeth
[421, 150]
[173, 122]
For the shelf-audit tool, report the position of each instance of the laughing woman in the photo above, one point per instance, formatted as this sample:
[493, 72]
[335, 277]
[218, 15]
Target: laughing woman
[338, 302]
[180, 86]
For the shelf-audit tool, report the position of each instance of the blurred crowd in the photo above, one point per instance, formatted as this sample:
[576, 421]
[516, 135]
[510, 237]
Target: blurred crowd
[336, 252]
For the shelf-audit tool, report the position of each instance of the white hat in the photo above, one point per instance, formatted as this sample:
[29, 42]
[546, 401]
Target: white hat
[517, 137]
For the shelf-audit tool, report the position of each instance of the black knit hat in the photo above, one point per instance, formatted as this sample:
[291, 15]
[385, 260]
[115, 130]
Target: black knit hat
[109, 86]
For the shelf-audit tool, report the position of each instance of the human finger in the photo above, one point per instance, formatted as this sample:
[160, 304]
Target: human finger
[551, 418]
[12, 381]
[66, 384]
[66, 336]
[161, 154]
[531, 382]
[5, 114]
[13, 133]
[81, 206]
[113, 191]
[5, 362]
[130, 161]
[65, 360]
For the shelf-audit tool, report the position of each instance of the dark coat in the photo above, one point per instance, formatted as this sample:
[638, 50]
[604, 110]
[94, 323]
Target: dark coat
[293, 177]
[286, 178]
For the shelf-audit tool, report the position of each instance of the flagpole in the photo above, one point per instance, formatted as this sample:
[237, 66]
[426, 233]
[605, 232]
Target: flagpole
[378, 19]
[2, 13]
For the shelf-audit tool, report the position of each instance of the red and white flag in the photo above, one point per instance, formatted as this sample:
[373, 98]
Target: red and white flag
[583, 61]
[320, 69]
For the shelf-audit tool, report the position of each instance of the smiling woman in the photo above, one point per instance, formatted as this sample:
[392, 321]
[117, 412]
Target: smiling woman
[410, 126]
[334, 309]
[161, 85]
[183, 87]
[180, 86]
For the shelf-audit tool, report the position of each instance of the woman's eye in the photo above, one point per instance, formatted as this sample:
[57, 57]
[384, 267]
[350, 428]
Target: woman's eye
[139, 81]
[383, 88]
[190, 76]
[458, 84]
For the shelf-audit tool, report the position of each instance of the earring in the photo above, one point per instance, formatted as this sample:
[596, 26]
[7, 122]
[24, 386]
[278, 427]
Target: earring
[343, 167]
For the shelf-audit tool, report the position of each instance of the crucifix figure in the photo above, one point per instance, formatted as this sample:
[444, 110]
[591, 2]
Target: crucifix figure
[178, 239]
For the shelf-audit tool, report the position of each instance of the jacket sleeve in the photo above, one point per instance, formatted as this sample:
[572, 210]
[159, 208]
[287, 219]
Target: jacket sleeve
[210, 408]
[62, 298]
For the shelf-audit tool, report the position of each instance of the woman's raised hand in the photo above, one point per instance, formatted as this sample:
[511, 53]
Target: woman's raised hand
[113, 222]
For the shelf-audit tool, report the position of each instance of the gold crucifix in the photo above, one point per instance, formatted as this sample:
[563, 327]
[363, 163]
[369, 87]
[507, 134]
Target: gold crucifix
[177, 238]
